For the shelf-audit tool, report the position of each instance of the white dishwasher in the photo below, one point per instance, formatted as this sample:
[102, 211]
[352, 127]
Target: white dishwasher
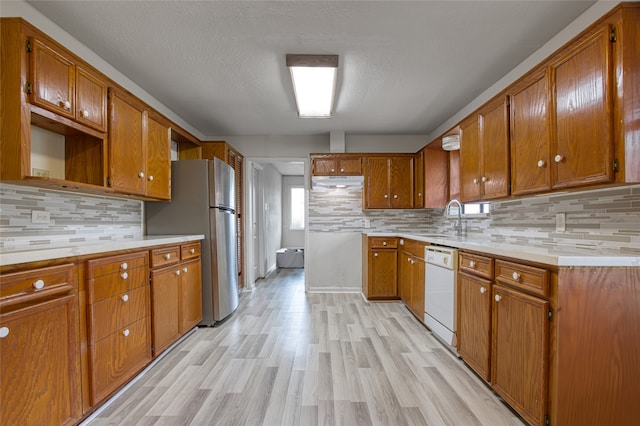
[440, 293]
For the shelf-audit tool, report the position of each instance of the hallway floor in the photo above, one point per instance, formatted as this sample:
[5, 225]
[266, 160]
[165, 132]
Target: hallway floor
[290, 358]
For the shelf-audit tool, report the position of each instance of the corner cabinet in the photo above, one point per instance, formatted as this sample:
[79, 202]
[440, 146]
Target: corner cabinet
[40, 347]
[389, 182]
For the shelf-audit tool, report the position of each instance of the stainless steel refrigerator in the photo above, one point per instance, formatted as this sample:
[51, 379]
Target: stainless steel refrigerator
[203, 202]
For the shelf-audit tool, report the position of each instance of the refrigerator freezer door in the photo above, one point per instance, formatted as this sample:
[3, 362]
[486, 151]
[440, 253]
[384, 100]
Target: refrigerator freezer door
[222, 187]
[225, 281]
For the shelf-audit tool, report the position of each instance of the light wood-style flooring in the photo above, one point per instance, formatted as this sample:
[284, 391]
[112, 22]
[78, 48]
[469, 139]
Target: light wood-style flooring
[290, 358]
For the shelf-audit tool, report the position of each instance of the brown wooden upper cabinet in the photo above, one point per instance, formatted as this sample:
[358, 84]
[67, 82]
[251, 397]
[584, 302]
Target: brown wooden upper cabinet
[484, 153]
[67, 89]
[139, 149]
[336, 165]
[389, 182]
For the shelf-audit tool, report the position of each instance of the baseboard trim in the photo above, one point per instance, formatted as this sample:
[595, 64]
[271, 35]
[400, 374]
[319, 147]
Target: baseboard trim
[334, 290]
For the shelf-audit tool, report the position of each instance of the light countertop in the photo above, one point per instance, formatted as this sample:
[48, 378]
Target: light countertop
[58, 252]
[556, 255]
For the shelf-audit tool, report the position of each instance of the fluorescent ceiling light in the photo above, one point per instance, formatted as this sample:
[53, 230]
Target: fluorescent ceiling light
[314, 83]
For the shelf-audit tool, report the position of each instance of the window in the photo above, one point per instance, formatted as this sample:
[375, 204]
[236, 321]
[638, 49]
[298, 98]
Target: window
[297, 209]
[475, 208]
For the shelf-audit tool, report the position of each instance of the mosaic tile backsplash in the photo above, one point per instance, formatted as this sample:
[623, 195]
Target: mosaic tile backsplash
[76, 219]
[607, 218]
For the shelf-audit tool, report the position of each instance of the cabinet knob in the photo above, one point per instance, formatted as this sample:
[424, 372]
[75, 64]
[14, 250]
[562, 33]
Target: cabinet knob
[558, 158]
[167, 256]
[192, 251]
[333, 170]
[124, 265]
[419, 194]
[66, 105]
[413, 261]
[4, 332]
[84, 113]
[395, 196]
[126, 332]
[141, 174]
[125, 298]
[375, 254]
[124, 275]
[484, 179]
[498, 298]
[483, 290]
[541, 163]
[384, 243]
[475, 180]
[516, 276]
[178, 272]
[386, 196]
[150, 178]
[38, 285]
[341, 170]
[185, 270]
[409, 259]
[472, 264]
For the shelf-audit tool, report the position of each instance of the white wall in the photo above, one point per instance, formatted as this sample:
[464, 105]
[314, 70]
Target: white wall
[333, 262]
[272, 214]
[290, 238]
[385, 143]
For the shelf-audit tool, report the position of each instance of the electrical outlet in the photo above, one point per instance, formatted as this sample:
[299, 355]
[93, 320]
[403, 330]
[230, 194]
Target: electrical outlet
[367, 223]
[39, 172]
[40, 216]
[561, 222]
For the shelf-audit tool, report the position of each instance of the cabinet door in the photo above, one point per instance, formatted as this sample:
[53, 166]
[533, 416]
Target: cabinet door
[377, 184]
[474, 326]
[583, 114]
[418, 180]
[324, 166]
[165, 293]
[383, 273]
[53, 77]
[40, 369]
[519, 366]
[436, 178]
[417, 287]
[158, 160]
[470, 160]
[91, 100]
[350, 166]
[190, 309]
[127, 128]
[495, 150]
[529, 131]
[404, 278]
[401, 188]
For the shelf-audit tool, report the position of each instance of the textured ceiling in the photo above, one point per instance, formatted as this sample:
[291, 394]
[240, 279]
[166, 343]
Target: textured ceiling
[405, 67]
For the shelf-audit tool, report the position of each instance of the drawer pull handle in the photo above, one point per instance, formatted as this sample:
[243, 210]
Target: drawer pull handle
[472, 264]
[192, 251]
[126, 332]
[516, 276]
[178, 272]
[124, 266]
[124, 275]
[375, 254]
[125, 298]
[185, 270]
[498, 298]
[167, 256]
[4, 332]
[384, 243]
[483, 290]
[38, 285]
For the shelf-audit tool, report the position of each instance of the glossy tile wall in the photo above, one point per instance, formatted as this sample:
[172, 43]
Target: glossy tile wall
[75, 219]
[608, 218]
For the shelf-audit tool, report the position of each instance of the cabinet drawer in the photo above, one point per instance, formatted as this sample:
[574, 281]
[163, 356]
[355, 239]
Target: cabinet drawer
[189, 251]
[383, 242]
[118, 357]
[481, 266]
[528, 278]
[107, 286]
[109, 315]
[36, 284]
[165, 256]
[114, 264]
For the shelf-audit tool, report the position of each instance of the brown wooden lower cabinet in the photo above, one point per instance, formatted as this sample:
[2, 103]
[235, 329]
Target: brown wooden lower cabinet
[39, 348]
[411, 269]
[380, 272]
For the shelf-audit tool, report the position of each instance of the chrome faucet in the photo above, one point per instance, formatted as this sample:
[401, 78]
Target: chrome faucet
[447, 212]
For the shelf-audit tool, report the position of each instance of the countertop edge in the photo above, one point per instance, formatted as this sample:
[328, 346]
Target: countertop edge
[520, 253]
[36, 255]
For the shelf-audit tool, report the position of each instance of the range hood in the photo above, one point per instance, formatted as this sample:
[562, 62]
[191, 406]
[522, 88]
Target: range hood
[338, 181]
